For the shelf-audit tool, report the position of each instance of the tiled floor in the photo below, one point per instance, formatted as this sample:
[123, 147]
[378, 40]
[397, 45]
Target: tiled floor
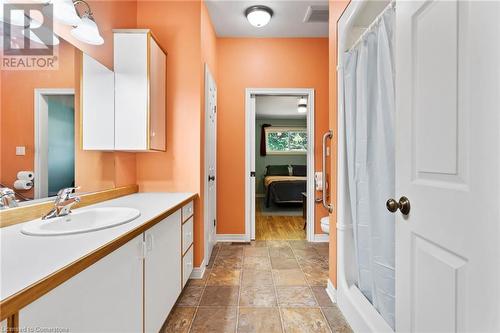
[265, 286]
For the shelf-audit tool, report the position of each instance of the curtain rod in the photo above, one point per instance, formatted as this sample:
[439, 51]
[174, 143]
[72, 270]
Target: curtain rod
[391, 5]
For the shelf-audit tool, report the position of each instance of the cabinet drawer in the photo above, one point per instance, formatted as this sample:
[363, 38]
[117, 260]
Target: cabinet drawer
[187, 234]
[187, 211]
[187, 266]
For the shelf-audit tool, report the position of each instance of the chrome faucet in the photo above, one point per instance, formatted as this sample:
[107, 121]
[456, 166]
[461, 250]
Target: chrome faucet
[7, 198]
[65, 200]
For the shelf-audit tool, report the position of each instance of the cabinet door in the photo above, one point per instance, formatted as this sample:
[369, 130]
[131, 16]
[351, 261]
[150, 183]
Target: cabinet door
[158, 92]
[162, 274]
[105, 297]
[131, 91]
[98, 105]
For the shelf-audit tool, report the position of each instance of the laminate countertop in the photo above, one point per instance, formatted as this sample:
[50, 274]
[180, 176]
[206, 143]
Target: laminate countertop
[28, 260]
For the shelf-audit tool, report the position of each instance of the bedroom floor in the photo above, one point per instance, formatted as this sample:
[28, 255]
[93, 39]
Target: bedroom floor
[275, 227]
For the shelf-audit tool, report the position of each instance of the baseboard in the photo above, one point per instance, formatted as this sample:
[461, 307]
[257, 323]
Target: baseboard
[198, 272]
[331, 291]
[237, 238]
[321, 238]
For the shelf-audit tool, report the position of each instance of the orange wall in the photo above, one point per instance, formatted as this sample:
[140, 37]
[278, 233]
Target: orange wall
[261, 63]
[336, 10]
[181, 28]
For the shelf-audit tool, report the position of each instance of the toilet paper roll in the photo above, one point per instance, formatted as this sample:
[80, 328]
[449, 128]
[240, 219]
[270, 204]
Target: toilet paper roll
[22, 184]
[25, 175]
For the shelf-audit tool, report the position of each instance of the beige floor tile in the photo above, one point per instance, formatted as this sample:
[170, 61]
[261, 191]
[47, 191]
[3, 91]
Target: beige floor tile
[230, 251]
[256, 252]
[190, 296]
[259, 320]
[258, 296]
[307, 253]
[317, 278]
[214, 320]
[295, 297]
[257, 278]
[179, 320]
[289, 277]
[277, 243]
[322, 297]
[284, 263]
[336, 320]
[304, 320]
[281, 252]
[257, 263]
[224, 277]
[228, 262]
[220, 296]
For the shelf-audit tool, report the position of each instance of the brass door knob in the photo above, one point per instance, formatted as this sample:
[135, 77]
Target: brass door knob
[403, 205]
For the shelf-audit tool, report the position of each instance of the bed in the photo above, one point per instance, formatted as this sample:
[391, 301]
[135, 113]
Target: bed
[284, 184]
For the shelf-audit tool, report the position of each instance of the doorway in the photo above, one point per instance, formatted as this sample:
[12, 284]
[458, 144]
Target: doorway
[54, 141]
[279, 153]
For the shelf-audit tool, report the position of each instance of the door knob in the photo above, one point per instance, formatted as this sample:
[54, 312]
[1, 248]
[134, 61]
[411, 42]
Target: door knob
[403, 205]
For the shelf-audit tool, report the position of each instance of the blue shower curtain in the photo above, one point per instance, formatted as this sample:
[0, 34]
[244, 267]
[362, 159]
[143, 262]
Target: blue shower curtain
[369, 115]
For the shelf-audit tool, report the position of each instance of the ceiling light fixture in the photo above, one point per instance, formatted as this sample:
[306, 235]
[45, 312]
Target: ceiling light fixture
[302, 105]
[259, 15]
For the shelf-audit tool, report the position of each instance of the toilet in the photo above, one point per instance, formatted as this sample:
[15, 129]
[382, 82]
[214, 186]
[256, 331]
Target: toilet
[325, 224]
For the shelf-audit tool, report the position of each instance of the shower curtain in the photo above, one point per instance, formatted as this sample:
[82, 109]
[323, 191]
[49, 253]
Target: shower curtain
[369, 116]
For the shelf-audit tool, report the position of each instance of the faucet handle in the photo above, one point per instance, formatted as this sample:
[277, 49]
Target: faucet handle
[65, 193]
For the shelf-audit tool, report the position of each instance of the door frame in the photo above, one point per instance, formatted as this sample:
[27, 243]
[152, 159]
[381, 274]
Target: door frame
[41, 113]
[250, 135]
[206, 224]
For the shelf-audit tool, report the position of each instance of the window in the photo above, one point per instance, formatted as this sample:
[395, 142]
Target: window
[286, 140]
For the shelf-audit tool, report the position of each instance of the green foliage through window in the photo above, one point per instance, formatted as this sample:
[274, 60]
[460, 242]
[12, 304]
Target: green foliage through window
[286, 140]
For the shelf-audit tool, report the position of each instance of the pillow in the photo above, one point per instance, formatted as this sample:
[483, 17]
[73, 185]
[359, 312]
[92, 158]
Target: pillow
[299, 170]
[277, 170]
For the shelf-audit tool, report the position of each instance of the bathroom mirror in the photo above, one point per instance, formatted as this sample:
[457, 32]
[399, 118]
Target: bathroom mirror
[40, 139]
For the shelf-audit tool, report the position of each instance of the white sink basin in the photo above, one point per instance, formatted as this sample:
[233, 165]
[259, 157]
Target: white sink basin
[80, 221]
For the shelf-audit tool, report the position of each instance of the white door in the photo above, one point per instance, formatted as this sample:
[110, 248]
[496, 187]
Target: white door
[448, 165]
[210, 163]
[251, 137]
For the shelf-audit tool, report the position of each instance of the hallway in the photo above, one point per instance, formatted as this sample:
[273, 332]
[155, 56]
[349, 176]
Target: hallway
[263, 286]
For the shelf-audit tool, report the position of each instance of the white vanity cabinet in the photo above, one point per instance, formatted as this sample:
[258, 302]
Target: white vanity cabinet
[105, 297]
[132, 289]
[162, 270]
[140, 67]
[97, 94]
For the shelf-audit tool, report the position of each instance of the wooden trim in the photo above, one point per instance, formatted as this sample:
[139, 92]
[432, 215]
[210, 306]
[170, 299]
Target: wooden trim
[190, 216]
[22, 214]
[184, 254]
[14, 303]
[13, 322]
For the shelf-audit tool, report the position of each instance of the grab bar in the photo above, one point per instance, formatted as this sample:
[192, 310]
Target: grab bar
[326, 136]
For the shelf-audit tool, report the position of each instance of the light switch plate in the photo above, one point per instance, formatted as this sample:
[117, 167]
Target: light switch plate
[21, 151]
